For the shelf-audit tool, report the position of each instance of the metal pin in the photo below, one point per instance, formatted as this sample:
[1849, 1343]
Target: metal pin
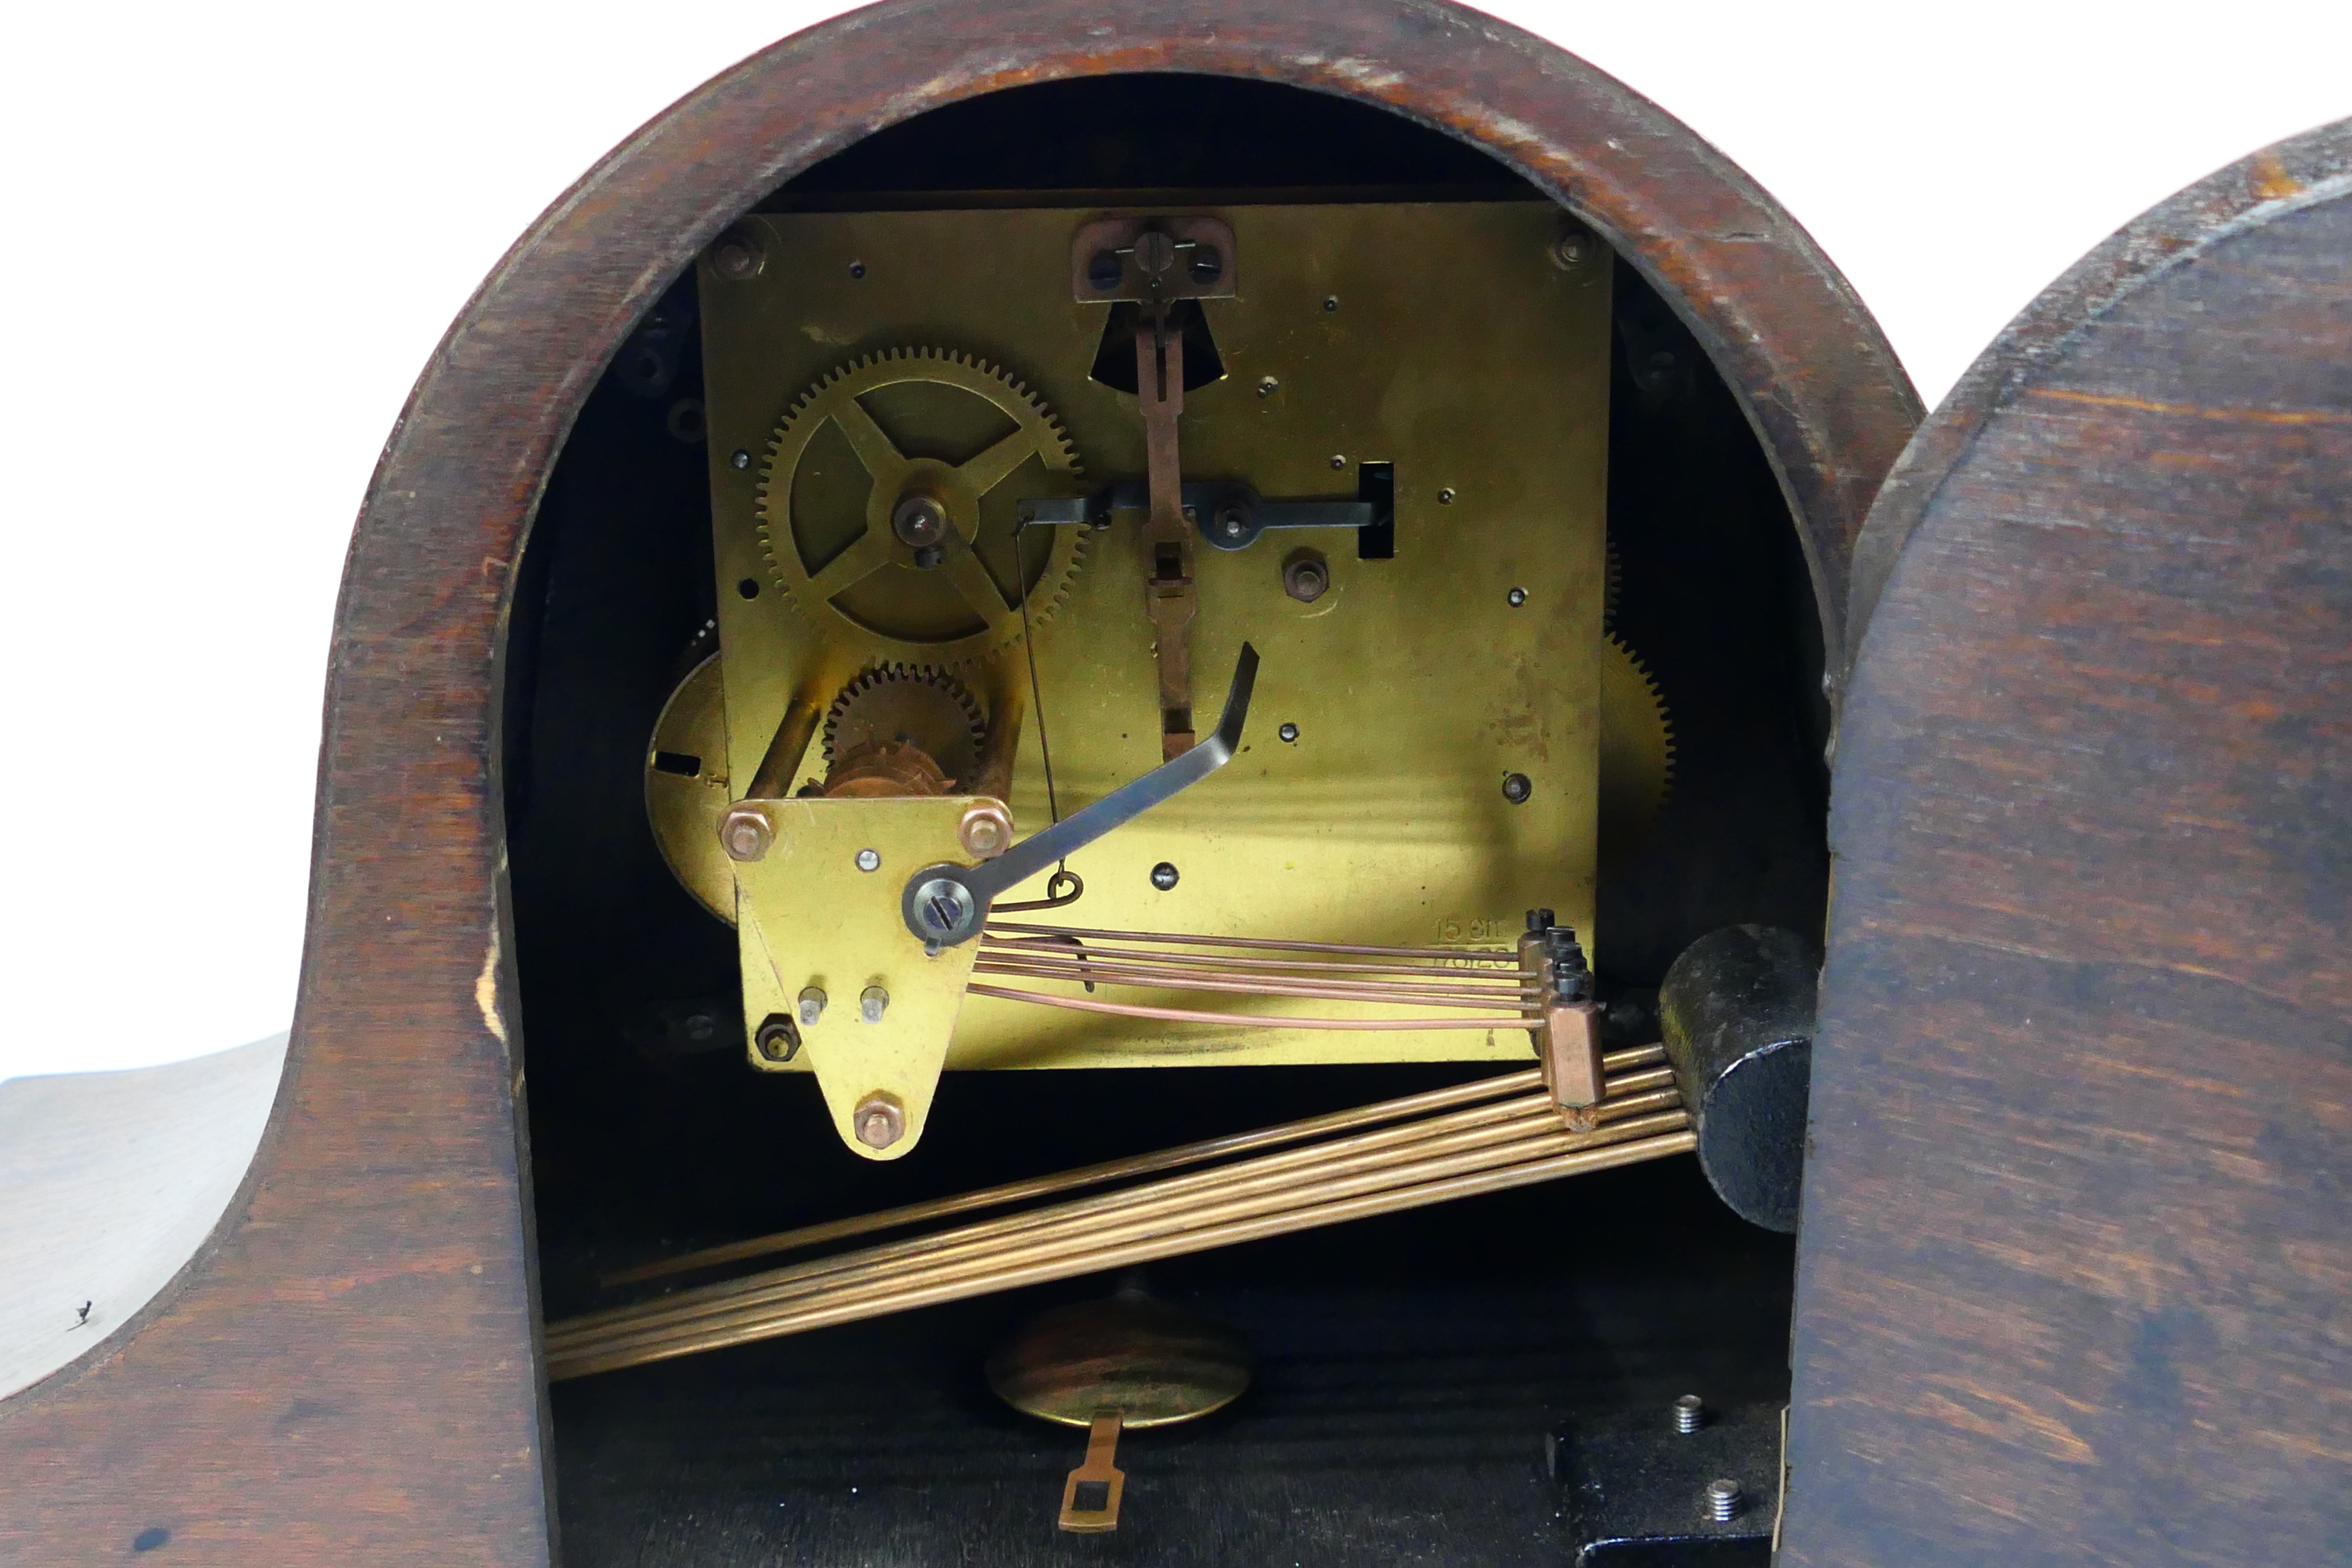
[872, 1002]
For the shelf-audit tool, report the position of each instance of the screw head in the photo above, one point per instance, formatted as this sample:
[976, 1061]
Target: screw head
[1723, 1499]
[1516, 787]
[1570, 251]
[778, 1041]
[740, 458]
[870, 860]
[878, 1121]
[986, 831]
[1163, 876]
[1331, 301]
[1289, 733]
[1306, 579]
[857, 269]
[738, 257]
[1690, 1413]
[944, 906]
[919, 520]
[1154, 252]
[745, 833]
[1338, 459]
[1517, 596]
[1267, 386]
[1446, 496]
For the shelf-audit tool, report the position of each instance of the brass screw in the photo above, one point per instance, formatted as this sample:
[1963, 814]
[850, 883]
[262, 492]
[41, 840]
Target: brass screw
[878, 1121]
[985, 831]
[745, 833]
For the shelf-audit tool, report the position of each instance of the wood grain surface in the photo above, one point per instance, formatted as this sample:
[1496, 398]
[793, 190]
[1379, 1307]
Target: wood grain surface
[2073, 1282]
[347, 1372]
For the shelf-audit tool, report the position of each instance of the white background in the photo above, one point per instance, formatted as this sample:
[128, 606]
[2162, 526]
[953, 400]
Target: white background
[234, 233]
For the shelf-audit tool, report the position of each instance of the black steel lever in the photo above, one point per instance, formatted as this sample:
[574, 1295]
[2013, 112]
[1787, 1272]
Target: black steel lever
[948, 904]
[1227, 515]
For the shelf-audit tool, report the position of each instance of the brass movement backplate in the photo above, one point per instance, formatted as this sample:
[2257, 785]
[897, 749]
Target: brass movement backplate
[1443, 348]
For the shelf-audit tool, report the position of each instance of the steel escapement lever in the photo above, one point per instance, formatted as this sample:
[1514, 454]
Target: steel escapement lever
[948, 904]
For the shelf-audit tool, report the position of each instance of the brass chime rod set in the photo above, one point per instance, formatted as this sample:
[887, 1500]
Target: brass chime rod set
[1520, 1136]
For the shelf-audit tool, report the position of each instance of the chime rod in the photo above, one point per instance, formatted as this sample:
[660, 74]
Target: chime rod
[1068, 1224]
[1090, 1221]
[1251, 1020]
[687, 1302]
[1145, 1250]
[1159, 1160]
[1152, 979]
[1508, 957]
[1025, 945]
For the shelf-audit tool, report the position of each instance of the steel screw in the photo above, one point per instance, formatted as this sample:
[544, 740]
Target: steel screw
[872, 1002]
[1163, 876]
[1289, 733]
[878, 1121]
[1339, 460]
[1723, 1501]
[1690, 1413]
[777, 1039]
[857, 269]
[1306, 579]
[1267, 386]
[741, 459]
[1154, 252]
[870, 860]
[1517, 596]
[812, 1005]
[1570, 250]
[1331, 301]
[1516, 787]
[1446, 496]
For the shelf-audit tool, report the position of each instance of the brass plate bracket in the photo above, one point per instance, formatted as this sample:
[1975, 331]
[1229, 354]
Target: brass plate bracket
[819, 910]
[1153, 261]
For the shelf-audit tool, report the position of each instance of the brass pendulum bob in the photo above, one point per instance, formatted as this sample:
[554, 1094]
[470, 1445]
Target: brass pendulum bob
[1108, 1365]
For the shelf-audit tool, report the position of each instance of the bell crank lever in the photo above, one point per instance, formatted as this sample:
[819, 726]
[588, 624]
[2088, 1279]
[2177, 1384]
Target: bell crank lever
[948, 904]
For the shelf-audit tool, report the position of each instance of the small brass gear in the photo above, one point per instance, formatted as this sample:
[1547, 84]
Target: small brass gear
[959, 432]
[908, 704]
[1637, 747]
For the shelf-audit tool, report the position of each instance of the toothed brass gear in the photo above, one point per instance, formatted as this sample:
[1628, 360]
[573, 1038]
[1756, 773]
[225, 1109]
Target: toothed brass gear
[908, 704]
[967, 440]
[1637, 747]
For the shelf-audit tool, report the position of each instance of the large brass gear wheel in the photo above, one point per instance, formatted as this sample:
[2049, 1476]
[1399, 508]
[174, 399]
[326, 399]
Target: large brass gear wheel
[1637, 747]
[909, 704]
[918, 422]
